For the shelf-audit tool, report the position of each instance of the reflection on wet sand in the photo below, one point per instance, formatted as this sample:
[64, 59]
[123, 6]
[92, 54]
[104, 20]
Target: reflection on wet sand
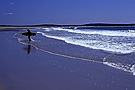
[28, 49]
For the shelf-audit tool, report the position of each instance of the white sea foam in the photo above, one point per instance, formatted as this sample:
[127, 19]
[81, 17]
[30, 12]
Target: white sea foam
[118, 41]
[120, 66]
[133, 69]
[96, 44]
[128, 33]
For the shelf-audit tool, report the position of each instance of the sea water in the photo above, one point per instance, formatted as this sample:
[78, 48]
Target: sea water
[112, 46]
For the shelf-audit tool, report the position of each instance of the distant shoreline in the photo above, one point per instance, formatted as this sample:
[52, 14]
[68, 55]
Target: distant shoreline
[14, 28]
[17, 27]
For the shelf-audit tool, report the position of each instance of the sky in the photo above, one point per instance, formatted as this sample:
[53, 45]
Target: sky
[27, 12]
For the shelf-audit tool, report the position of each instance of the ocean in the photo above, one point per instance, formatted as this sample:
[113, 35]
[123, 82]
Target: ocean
[111, 46]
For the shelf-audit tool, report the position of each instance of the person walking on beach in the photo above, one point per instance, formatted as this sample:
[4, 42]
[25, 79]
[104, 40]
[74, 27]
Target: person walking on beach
[29, 34]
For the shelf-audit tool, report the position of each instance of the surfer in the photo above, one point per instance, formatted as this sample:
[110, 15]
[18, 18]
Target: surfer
[29, 33]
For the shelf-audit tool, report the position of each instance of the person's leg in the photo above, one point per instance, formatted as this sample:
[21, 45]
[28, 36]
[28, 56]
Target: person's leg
[29, 38]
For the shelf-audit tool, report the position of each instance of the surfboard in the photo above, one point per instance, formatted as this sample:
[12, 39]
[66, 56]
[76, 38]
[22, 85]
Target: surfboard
[31, 34]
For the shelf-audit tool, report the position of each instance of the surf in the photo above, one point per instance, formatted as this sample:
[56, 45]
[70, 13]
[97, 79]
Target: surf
[128, 33]
[120, 41]
[115, 51]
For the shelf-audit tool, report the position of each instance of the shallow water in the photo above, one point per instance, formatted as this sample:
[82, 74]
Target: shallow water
[113, 46]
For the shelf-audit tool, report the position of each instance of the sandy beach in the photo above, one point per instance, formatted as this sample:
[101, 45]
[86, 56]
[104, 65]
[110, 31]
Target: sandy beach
[40, 70]
[67, 45]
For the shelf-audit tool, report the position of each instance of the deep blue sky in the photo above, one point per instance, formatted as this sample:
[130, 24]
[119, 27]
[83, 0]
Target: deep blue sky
[66, 11]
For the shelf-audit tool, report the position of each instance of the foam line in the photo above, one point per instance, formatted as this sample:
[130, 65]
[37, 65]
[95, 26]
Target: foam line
[128, 33]
[96, 44]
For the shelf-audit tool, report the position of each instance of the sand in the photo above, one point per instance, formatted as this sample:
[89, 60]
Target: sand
[40, 70]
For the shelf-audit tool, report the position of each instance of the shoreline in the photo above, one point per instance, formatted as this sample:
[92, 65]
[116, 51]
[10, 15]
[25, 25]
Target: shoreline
[40, 70]
[17, 27]
[92, 57]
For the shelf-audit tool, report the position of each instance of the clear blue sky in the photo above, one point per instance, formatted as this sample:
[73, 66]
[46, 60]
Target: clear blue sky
[66, 11]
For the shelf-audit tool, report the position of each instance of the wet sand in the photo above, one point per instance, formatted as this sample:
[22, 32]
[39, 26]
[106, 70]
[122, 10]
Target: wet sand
[15, 28]
[23, 67]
